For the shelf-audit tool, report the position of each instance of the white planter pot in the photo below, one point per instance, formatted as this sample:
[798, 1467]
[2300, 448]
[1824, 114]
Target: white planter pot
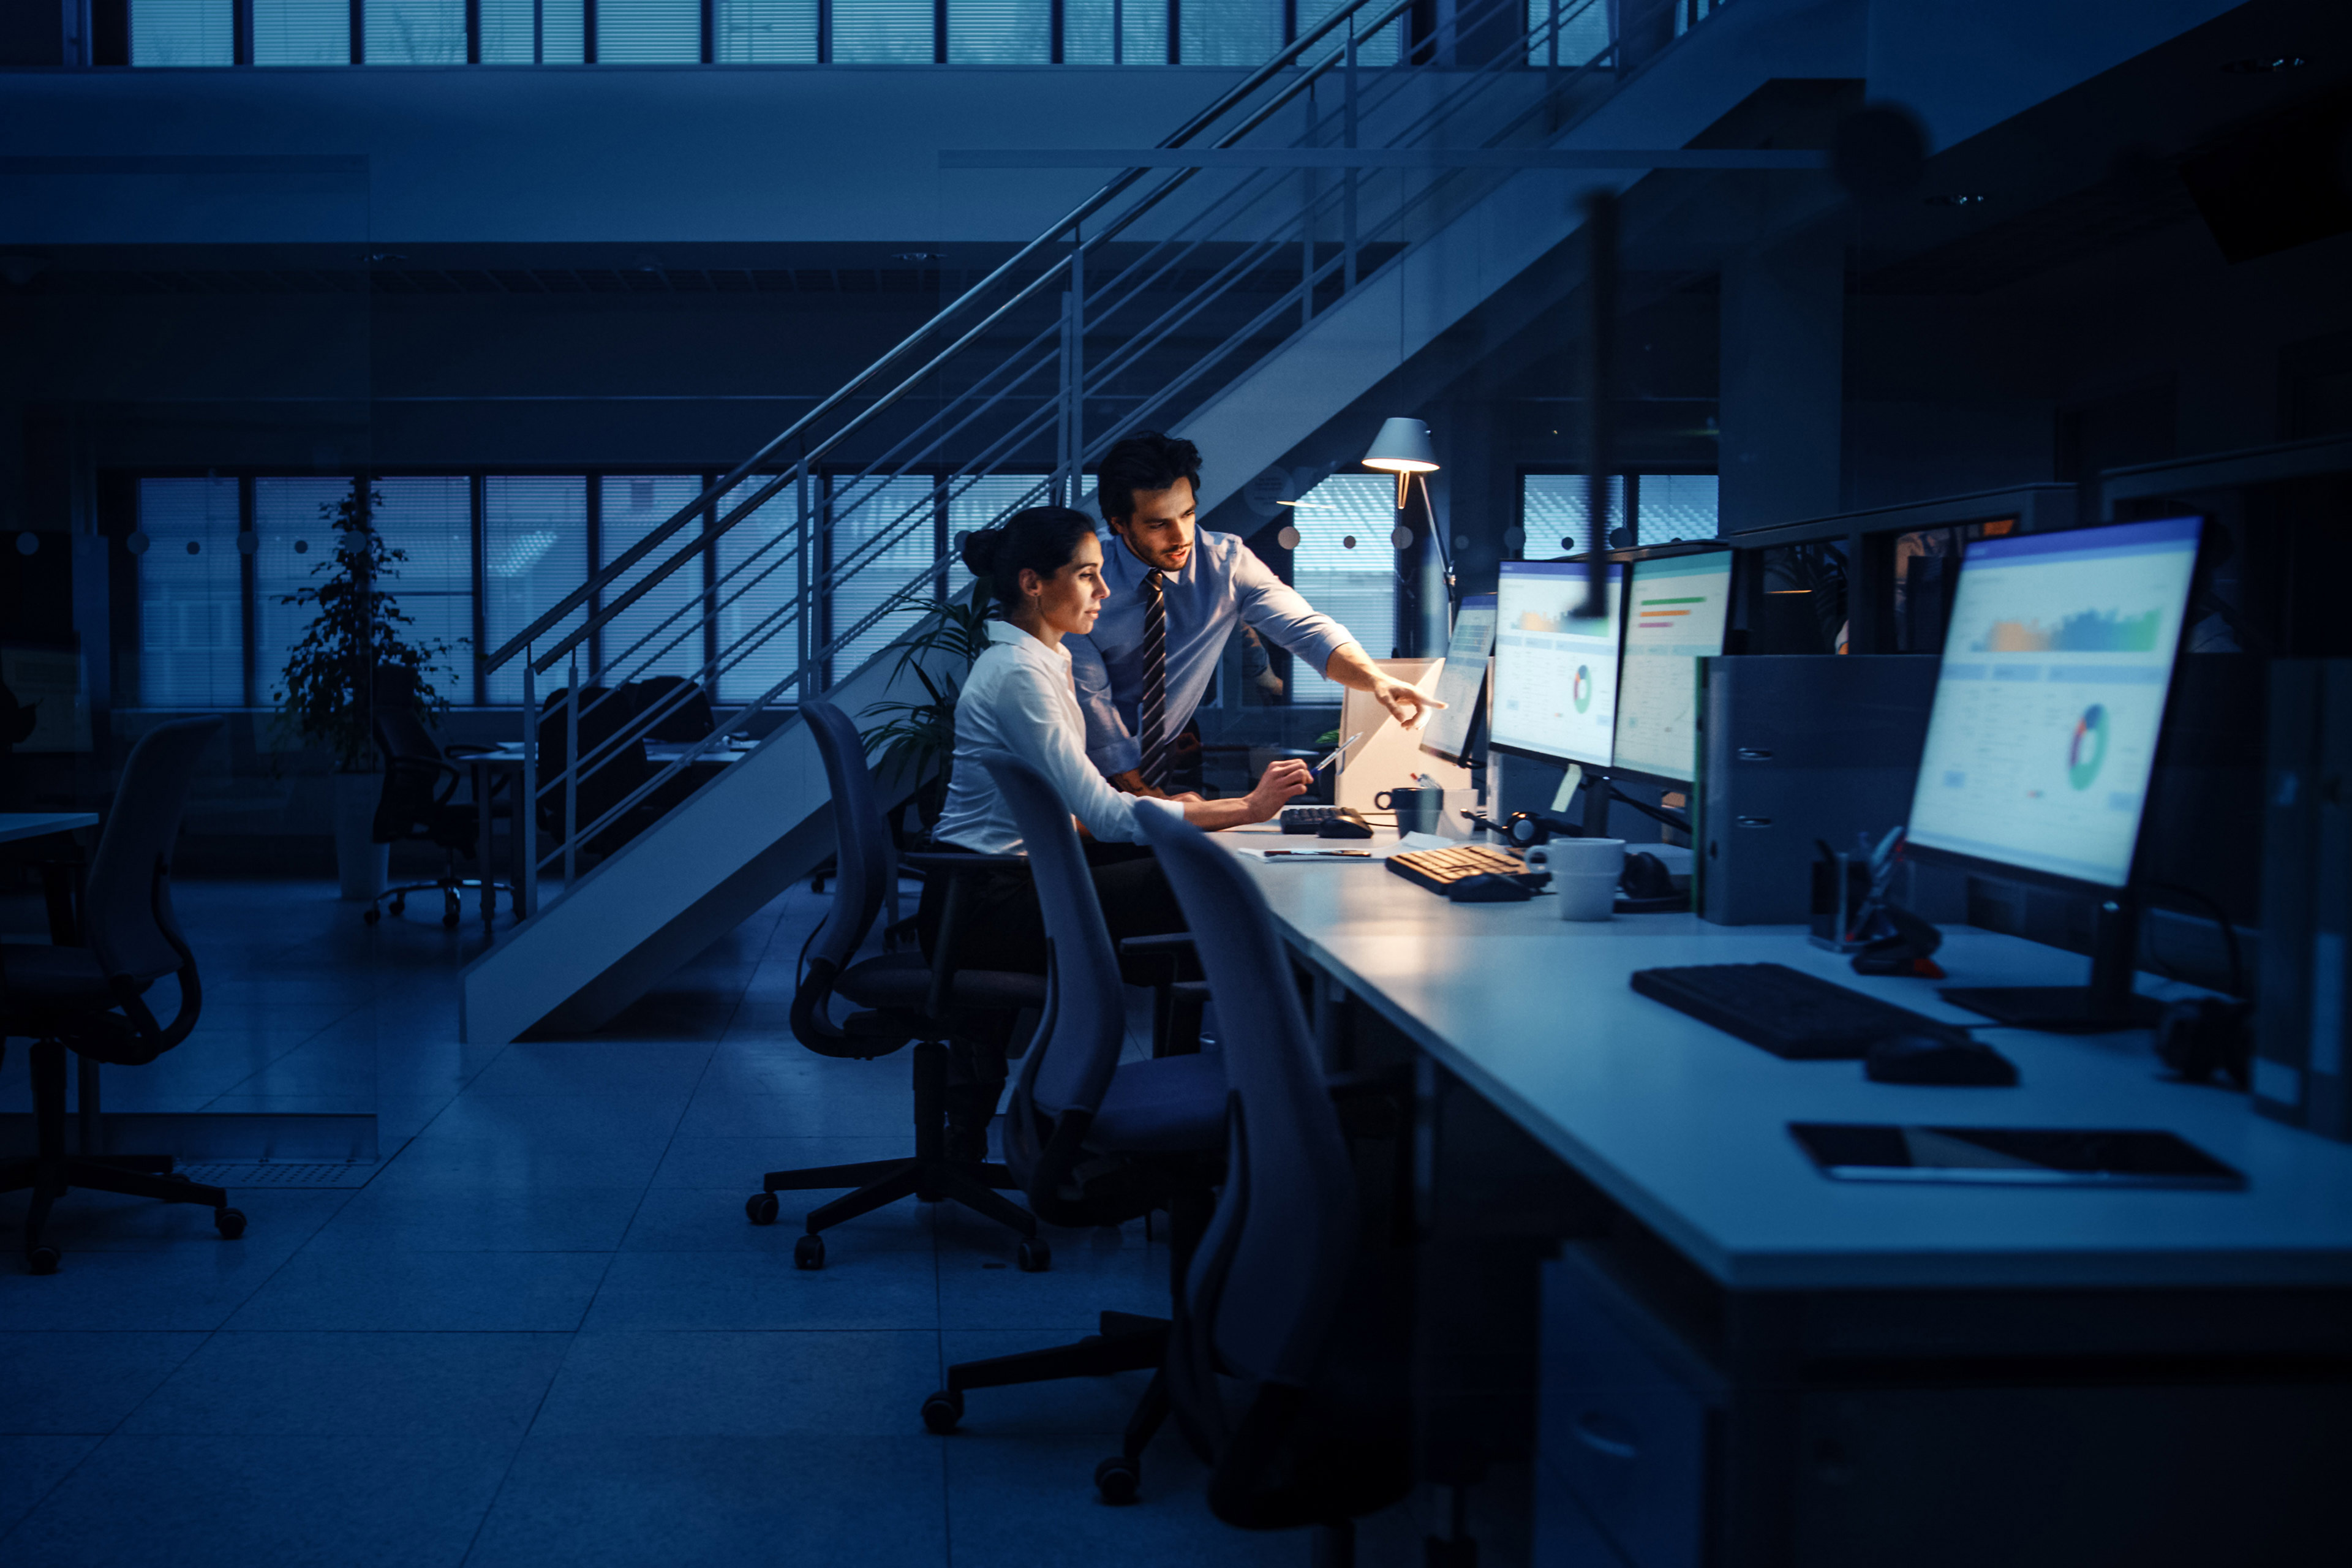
[360, 864]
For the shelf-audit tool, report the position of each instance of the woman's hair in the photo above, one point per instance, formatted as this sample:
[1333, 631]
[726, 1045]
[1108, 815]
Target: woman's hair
[1041, 538]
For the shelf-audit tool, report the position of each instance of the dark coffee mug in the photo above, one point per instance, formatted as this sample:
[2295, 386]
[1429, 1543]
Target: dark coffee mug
[1417, 810]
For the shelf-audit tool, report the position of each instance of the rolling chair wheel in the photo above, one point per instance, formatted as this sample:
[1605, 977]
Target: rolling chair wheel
[42, 1260]
[399, 906]
[808, 1252]
[372, 915]
[230, 1222]
[761, 1208]
[943, 1410]
[1034, 1255]
[450, 913]
[1118, 1479]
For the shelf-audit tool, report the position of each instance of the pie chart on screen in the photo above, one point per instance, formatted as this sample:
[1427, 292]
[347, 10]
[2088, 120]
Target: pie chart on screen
[1580, 690]
[2088, 748]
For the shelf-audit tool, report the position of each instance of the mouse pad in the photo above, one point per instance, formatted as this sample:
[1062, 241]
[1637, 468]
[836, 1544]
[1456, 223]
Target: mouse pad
[2010, 1156]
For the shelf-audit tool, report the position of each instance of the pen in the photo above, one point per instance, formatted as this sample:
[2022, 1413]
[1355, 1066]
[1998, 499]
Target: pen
[1318, 854]
[1334, 757]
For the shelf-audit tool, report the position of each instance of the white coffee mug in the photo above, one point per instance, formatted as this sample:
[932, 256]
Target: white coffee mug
[1584, 874]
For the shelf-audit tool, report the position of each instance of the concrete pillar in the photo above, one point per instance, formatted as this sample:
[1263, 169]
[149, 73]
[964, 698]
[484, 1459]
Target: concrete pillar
[1782, 384]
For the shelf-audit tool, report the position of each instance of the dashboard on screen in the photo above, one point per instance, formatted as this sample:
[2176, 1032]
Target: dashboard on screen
[1676, 611]
[1447, 733]
[1555, 669]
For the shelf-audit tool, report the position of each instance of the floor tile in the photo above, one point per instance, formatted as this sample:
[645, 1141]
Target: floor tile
[751, 1290]
[864, 1384]
[726, 1161]
[412, 1384]
[30, 1467]
[712, 1219]
[189, 1284]
[486, 1291]
[806, 1113]
[69, 1381]
[1086, 1279]
[217, 1502]
[463, 1216]
[715, 1502]
[1007, 1494]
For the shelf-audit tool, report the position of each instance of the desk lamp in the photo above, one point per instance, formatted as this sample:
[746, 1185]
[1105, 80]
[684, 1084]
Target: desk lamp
[1402, 447]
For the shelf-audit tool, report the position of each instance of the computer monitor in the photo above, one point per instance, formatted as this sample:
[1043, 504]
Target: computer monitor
[1676, 608]
[1555, 670]
[1452, 733]
[2050, 700]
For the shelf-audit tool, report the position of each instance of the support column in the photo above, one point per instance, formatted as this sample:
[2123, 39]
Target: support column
[1782, 382]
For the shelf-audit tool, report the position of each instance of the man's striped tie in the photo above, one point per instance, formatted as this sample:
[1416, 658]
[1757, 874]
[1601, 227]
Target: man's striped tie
[1151, 713]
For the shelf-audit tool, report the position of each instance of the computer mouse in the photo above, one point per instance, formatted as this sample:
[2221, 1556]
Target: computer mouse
[1490, 887]
[1936, 1059]
[1344, 824]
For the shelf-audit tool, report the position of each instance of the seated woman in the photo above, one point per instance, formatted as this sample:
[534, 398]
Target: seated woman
[1044, 567]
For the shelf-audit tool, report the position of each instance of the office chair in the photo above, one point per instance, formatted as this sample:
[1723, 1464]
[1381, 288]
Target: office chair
[1094, 1142]
[1287, 1366]
[904, 1000]
[415, 803]
[91, 999]
[609, 780]
[687, 717]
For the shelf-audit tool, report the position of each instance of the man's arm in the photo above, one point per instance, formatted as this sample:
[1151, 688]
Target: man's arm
[1353, 668]
[1279, 611]
[1115, 753]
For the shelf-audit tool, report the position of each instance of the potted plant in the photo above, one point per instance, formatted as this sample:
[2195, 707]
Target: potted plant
[918, 741]
[327, 695]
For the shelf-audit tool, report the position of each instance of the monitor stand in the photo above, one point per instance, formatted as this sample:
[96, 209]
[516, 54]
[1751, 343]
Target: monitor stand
[2108, 1003]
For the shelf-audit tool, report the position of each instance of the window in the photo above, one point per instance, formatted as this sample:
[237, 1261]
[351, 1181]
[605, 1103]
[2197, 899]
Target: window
[294, 523]
[1230, 32]
[648, 31]
[661, 634]
[1000, 32]
[301, 32]
[183, 33]
[1346, 567]
[1142, 26]
[506, 32]
[758, 578]
[764, 31]
[432, 520]
[882, 32]
[190, 596]
[1584, 31]
[1380, 50]
[1666, 508]
[415, 32]
[886, 532]
[534, 551]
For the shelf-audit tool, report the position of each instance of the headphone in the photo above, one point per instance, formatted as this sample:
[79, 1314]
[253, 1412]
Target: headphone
[2206, 1034]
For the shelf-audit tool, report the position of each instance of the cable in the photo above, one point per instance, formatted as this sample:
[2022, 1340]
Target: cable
[2221, 917]
[1673, 819]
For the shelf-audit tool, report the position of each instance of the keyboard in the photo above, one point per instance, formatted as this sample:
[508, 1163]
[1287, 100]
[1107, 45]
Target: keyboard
[1314, 818]
[1785, 1011]
[1438, 869]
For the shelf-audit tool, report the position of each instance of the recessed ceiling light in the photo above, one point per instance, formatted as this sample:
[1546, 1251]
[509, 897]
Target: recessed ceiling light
[1959, 199]
[2263, 66]
[917, 256]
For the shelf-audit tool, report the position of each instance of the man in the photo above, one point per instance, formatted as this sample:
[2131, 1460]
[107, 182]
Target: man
[1176, 593]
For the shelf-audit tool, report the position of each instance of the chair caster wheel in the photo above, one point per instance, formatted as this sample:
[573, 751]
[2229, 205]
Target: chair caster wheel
[761, 1208]
[41, 1260]
[808, 1252]
[371, 915]
[400, 906]
[230, 1222]
[943, 1410]
[1118, 1479]
[449, 919]
[1034, 1255]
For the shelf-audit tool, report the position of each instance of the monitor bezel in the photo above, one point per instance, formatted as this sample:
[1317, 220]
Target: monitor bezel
[1634, 559]
[1603, 769]
[1476, 732]
[2058, 881]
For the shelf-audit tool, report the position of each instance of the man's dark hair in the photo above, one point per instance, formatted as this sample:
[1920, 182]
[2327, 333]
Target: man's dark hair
[1146, 460]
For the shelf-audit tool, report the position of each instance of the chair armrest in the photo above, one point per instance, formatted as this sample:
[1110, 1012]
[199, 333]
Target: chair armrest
[958, 866]
[1167, 941]
[466, 750]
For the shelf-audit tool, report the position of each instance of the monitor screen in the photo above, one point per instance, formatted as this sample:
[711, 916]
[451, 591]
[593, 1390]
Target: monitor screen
[1676, 611]
[2050, 697]
[1555, 671]
[1447, 733]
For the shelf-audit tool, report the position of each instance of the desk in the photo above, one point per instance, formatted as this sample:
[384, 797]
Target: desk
[15, 825]
[1782, 1302]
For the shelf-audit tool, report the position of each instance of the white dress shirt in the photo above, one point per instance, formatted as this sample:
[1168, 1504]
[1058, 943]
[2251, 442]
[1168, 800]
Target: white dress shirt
[1020, 698]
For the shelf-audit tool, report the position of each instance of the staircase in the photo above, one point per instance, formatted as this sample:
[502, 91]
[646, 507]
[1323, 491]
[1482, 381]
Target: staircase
[1244, 299]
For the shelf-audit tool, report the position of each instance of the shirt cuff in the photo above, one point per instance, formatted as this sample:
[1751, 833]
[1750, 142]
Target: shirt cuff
[1319, 647]
[1117, 756]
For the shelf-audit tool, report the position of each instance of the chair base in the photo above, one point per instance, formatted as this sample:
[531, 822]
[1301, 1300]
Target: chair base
[1128, 1342]
[930, 1177]
[452, 890]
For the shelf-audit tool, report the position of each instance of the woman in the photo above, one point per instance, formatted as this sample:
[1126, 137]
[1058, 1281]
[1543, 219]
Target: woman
[1044, 567]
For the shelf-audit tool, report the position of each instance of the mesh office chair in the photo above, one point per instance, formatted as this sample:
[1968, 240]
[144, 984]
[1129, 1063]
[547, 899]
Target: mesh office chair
[902, 999]
[683, 707]
[418, 783]
[614, 772]
[1094, 1142]
[91, 999]
[1287, 1366]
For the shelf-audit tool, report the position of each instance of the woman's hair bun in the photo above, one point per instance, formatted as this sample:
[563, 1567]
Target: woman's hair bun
[979, 549]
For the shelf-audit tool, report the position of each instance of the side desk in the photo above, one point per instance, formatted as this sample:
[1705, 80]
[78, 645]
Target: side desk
[1745, 1363]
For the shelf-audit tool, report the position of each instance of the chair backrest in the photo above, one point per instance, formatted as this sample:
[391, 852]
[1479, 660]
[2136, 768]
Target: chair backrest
[127, 917]
[414, 770]
[1071, 1064]
[690, 717]
[862, 849]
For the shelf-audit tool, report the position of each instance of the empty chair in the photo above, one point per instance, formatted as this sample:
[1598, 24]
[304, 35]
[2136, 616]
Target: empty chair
[1287, 1367]
[902, 999]
[416, 803]
[1091, 1141]
[616, 768]
[676, 710]
[91, 999]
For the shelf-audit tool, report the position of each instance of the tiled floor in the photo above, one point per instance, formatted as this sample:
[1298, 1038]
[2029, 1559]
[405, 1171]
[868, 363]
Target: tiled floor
[544, 1332]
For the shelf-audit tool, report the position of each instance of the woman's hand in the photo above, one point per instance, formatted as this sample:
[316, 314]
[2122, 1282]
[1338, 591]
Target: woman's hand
[1281, 783]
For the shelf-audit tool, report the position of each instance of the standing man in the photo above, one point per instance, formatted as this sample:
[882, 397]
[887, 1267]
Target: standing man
[1175, 595]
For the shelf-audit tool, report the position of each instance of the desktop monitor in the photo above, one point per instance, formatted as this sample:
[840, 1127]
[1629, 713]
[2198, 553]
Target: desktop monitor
[1676, 608]
[1555, 670]
[1452, 732]
[2058, 659]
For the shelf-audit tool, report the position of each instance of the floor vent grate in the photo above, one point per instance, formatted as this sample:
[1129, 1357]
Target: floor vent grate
[272, 1174]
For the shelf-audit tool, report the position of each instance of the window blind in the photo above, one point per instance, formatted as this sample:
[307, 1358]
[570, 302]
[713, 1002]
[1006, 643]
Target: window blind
[759, 577]
[1000, 32]
[183, 32]
[1584, 31]
[301, 32]
[661, 634]
[647, 32]
[1230, 32]
[882, 32]
[1553, 510]
[898, 513]
[415, 32]
[754, 31]
[1380, 50]
[1668, 507]
[1346, 567]
[190, 596]
[982, 502]
[296, 537]
[506, 32]
[534, 551]
[1141, 26]
[432, 519]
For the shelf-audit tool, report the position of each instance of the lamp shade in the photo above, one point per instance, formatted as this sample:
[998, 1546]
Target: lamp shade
[1402, 447]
